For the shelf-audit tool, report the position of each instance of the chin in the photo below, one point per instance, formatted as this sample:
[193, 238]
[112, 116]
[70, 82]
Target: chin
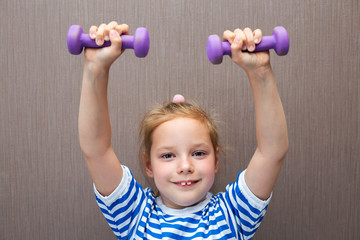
[190, 202]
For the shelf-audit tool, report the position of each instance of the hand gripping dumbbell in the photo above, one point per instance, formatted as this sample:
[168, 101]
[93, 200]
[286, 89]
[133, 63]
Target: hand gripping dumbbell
[77, 40]
[279, 41]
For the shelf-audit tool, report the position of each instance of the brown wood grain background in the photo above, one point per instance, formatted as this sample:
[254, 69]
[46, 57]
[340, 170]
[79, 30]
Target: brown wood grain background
[46, 191]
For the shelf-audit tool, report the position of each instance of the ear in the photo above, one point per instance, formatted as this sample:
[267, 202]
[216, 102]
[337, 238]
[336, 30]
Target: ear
[147, 164]
[217, 159]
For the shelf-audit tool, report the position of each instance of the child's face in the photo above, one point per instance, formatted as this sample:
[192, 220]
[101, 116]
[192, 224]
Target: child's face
[183, 162]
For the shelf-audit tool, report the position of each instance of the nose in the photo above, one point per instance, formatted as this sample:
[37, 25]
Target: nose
[185, 165]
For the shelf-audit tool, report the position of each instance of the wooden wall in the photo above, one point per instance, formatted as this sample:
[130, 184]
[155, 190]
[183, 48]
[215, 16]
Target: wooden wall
[46, 191]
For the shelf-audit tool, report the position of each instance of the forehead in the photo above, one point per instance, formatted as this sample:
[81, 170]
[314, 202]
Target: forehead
[181, 128]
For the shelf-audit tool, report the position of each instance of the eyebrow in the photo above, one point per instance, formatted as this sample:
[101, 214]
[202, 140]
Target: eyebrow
[202, 145]
[170, 147]
[165, 148]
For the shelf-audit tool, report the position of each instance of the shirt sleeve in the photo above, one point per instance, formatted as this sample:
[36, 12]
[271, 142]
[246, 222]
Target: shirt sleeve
[248, 210]
[122, 208]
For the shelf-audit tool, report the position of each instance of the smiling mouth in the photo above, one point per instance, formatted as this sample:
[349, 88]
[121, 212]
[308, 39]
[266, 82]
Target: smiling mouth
[186, 183]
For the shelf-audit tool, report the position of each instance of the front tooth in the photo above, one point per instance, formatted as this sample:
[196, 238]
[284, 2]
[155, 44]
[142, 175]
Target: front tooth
[188, 183]
[183, 184]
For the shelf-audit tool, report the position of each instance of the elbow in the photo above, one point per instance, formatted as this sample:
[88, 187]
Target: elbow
[94, 155]
[281, 147]
[85, 148]
[94, 150]
[86, 151]
[275, 153]
[283, 150]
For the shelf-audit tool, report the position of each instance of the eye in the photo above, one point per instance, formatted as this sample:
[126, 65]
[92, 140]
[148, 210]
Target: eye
[199, 154]
[167, 156]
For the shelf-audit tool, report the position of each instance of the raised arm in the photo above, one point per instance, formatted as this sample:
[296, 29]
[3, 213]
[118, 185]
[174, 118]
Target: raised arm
[94, 120]
[271, 129]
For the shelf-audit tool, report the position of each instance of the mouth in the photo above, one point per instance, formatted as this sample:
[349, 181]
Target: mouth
[187, 183]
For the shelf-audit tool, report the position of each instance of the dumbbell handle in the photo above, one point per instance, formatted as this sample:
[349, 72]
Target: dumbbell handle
[127, 42]
[267, 43]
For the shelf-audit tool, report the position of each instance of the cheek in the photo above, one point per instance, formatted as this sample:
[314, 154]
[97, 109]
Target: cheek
[161, 170]
[208, 168]
[161, 175]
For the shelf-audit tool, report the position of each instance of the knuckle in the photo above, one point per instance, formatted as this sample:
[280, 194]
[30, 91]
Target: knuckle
[122, 28]
[258, 32]
[102, 27]
[99, 35]
[92, 31]
[237, 30]
[247, 29]
[227, 34]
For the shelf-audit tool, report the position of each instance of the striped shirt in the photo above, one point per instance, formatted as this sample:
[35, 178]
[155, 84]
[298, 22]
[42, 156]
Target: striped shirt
[135, 213]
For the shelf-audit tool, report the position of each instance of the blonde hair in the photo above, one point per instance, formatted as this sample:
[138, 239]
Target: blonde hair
[169, 111]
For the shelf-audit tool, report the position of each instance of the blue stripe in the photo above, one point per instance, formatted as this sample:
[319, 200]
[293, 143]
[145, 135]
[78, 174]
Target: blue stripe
[172, 235]
[126, 197]
[147, 219]
[238, 195]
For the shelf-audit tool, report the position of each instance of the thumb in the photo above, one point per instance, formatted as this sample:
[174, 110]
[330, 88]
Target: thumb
[236, 48]
[115, 40]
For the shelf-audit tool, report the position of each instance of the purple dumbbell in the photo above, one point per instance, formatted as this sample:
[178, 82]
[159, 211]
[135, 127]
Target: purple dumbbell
[77, 40]
[279, 41]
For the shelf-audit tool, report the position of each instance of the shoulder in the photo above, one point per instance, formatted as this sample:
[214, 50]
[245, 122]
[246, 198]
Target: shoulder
[238, 195]
[128, 191]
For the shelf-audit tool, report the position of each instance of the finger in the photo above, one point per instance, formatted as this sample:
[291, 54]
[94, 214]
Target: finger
[122, 29]
[92, 31]
[240, 38]
[228, 36]
[108, 28]
[100, 35]
[250, 44]
[257, 36]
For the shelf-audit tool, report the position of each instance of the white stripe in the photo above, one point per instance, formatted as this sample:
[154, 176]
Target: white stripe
[216, 215]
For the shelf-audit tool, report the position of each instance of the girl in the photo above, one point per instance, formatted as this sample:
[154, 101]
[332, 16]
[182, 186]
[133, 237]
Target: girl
[181, 153]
